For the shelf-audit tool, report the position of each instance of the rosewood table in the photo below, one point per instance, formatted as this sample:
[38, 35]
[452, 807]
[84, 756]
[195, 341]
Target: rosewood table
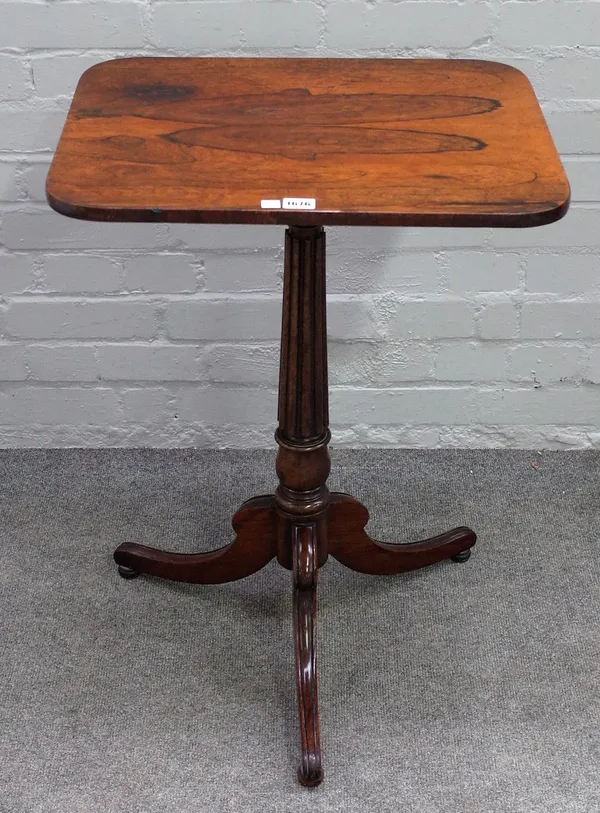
[305, 143]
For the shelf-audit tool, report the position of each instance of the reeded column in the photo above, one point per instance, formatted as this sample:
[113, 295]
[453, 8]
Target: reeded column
[302, 498]
[303, 434]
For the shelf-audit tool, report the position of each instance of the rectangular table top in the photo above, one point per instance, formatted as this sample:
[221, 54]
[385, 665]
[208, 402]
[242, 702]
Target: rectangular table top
[390, 142]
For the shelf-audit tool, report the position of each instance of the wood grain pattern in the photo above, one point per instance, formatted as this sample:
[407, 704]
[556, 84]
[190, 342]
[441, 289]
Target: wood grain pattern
[376, 142]
[390, 142]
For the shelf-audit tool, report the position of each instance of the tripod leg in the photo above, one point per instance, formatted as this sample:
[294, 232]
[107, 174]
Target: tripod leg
[310, 772]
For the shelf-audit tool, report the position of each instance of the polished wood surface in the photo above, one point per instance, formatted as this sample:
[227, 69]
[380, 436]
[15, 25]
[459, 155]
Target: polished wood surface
[350, 544]
[375, 142]
[310, 772]
[303, 464]
[391, 142]
[254, 546]
[302, 522]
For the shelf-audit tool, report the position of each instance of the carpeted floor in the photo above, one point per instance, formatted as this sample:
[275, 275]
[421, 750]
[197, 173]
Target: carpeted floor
[469, 688]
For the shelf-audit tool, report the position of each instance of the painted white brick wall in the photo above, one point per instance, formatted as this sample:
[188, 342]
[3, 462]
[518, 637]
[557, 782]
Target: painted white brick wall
[167, 335]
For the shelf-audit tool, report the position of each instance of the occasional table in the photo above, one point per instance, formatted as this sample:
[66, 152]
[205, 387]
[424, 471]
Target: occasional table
[305, 143]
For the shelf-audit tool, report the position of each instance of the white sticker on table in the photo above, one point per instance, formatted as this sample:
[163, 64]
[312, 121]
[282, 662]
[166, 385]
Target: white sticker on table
[299, 203]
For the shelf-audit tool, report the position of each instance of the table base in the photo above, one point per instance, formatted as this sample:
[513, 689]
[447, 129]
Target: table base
[302, 523]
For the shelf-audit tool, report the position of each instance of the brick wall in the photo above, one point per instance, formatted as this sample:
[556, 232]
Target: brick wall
[168, 335]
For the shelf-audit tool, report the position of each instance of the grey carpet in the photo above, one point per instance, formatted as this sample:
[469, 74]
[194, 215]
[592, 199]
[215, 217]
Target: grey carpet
[459, 688]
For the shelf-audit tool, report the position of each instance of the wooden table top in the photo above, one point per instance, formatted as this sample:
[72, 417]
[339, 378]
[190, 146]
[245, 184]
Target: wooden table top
[389, 142]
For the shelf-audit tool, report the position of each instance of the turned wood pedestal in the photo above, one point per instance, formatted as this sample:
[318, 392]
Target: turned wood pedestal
[302, 523]
[366, 142]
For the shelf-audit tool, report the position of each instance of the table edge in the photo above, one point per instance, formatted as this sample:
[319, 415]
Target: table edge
[535, 214]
